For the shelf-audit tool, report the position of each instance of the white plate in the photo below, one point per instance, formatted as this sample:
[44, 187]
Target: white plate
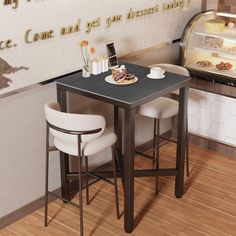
[109, 79]
[153, 77]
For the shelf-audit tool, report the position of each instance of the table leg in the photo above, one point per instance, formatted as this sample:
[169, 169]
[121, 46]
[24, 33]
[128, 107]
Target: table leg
[181, 142]
[64, 158]
[118, 147]
[129, 170]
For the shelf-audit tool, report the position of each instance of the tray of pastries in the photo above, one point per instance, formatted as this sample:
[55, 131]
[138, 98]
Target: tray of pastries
[204, 63]
[224, 66]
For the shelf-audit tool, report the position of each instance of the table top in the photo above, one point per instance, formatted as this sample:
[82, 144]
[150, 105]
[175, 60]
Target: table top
[126, 96]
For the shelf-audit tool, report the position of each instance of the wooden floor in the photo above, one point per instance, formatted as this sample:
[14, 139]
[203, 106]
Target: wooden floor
[207, 208]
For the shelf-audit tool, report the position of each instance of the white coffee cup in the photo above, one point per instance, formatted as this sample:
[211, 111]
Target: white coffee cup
[156, 72]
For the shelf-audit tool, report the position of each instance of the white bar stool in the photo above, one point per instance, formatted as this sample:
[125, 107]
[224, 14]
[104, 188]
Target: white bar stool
[163, 108]
[79, 135]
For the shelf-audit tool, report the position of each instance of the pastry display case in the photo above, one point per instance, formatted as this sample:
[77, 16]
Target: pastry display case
[208, 47]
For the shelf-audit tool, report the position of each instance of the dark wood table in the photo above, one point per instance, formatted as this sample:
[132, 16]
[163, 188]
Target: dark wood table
[128, 98]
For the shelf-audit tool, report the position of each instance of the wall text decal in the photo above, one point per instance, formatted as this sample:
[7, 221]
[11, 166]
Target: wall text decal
[93, 24]
[7, 44]
[71, 29]
[172, 5]
[113, 19]
[14, 3]
[31, 37]
[143, 12]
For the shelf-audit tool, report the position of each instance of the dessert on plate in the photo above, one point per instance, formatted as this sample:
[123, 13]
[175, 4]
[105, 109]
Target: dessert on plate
[224, 66]
[118, 70]
[120, 75]
[204, 63]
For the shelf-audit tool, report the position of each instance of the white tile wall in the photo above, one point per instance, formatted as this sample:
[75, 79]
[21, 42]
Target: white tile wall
[212, 116]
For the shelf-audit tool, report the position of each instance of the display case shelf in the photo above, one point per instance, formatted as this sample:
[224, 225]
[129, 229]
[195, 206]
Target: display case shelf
[213, 70]
[224, 52]
[225, 36]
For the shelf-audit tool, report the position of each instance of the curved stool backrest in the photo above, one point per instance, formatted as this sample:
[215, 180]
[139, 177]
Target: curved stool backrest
[72, 122]
[173, 68]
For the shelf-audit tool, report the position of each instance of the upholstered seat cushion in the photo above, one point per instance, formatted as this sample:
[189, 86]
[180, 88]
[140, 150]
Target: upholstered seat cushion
[70, 146]
[160, 108]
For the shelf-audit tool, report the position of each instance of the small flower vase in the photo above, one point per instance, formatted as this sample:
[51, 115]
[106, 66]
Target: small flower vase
[86, 71]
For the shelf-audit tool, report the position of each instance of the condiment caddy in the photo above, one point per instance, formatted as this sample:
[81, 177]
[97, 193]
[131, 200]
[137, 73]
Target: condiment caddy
[99, 65]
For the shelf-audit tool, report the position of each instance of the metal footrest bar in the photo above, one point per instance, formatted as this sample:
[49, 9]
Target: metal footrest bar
[101, 178]
[91, 183]
[169, 139]
[160, 145]
[98, 177]
[153, 172]
[63, 199]
[74, 175]
[144, 155]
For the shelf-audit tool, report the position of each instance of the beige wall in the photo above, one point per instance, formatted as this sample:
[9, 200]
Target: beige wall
[22, 148]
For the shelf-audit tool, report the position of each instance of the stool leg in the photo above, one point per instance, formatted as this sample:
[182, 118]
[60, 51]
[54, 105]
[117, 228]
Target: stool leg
[187, 151]
[80, 159]
[80, 196]
[154, 143]
[46, 179]
[115, 182]
[87, 186]
[157, 134]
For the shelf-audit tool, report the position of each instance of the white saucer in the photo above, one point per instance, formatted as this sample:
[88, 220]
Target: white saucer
[153, 77]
